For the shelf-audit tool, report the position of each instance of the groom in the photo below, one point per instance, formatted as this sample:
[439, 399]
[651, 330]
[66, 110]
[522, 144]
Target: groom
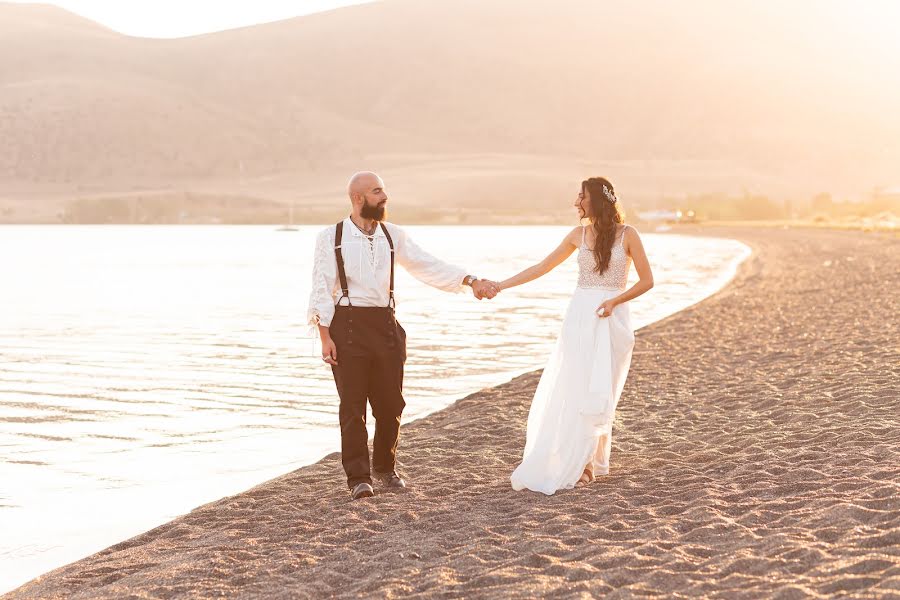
[352, 303]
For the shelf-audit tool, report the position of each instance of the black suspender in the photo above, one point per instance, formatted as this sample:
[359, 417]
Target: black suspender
[342, 275]
[391, 302]
[338, 235]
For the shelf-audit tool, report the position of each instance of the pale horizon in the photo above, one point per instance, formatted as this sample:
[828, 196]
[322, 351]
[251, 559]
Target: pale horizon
[166, 19]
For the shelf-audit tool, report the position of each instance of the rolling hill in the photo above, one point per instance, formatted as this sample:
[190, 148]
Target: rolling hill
[491, 104]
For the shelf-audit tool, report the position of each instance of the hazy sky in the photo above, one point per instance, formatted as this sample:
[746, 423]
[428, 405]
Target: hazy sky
[176, 18]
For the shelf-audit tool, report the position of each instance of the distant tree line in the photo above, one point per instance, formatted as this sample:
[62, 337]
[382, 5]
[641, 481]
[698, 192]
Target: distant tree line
[751, 207]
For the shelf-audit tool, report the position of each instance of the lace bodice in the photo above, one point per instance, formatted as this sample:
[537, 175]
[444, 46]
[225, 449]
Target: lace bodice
[615, 277]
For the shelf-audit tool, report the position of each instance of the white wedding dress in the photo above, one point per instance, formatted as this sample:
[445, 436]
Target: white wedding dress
[571, 416]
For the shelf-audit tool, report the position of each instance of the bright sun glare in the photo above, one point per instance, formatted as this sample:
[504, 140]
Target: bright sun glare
[178, 18]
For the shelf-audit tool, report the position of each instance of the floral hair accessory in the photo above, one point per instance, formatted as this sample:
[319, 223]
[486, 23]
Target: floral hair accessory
[609, 195]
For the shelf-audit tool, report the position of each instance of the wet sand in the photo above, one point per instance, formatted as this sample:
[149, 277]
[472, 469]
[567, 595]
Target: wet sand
[756, 454]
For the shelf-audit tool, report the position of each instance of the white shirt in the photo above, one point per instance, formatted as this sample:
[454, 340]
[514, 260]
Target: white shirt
[368, 268]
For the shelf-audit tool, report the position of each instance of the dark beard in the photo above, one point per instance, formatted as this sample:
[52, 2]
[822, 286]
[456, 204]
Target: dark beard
[376, 213]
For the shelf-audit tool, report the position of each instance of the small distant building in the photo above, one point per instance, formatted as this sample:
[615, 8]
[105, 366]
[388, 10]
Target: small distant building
[660, 216]
[667, 216]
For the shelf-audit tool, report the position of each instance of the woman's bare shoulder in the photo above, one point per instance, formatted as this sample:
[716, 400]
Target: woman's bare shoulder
[575, 235]
[629, 231]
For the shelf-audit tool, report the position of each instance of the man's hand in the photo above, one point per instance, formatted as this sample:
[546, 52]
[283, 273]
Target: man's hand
[483, 288]
[329, 349]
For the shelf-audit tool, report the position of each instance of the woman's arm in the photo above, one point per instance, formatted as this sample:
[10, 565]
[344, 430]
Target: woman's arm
[635, 248]
[553, 260]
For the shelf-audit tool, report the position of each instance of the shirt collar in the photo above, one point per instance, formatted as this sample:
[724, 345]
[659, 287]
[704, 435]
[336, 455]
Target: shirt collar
[350, 226]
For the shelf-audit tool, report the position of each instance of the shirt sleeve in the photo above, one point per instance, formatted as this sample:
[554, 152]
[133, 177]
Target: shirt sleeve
[426, 268]
[324, 284]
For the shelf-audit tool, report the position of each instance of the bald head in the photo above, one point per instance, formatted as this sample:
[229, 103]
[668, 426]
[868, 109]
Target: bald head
[367, 195]
[363, 182]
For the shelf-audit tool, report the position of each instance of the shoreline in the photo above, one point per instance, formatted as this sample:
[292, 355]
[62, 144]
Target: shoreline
[67, 540]
[459, 529]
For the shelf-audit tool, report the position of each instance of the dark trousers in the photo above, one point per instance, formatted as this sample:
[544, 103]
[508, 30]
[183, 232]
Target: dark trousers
[371, 352]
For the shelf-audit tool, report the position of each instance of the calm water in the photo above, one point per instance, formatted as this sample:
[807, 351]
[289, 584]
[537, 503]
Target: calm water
[147, 370]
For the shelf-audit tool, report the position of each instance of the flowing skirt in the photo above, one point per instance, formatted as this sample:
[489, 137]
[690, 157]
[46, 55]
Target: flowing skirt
[571, 416]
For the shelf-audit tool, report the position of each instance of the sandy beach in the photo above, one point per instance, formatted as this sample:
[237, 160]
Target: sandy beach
[756, 454]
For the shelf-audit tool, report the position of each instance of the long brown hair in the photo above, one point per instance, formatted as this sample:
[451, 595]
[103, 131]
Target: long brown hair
[605, 218]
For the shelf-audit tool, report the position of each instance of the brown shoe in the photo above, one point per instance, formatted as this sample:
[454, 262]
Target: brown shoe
[361, 490]
[390, 480]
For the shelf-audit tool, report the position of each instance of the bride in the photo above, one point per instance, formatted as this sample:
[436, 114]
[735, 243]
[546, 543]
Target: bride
[569, 434]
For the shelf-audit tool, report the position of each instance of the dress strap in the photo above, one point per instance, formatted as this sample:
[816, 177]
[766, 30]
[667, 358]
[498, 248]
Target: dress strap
[622, 238]
[583, 230]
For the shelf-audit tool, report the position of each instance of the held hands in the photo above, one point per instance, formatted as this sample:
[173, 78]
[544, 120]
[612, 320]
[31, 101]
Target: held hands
[485, 288]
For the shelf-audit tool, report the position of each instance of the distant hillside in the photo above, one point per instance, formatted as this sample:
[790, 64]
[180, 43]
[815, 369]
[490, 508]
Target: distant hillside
[482, 103]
